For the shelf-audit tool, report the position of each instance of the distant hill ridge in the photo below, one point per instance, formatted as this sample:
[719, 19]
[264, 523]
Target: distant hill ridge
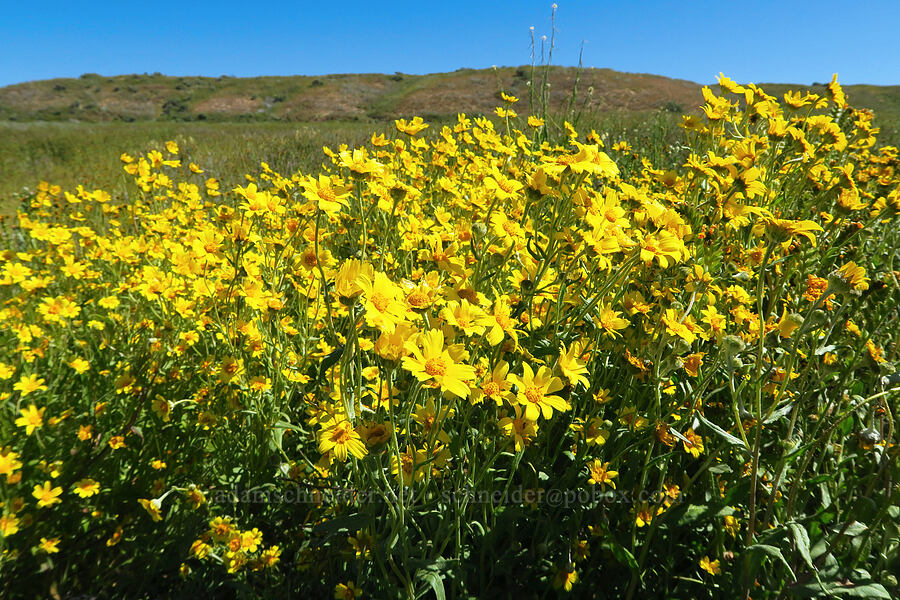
[345, 97]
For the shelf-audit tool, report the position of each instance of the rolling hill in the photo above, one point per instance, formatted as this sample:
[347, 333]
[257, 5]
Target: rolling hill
[349, 97]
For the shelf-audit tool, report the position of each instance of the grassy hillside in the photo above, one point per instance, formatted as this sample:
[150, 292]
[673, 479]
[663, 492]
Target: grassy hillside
[330, 97]
[352, 97]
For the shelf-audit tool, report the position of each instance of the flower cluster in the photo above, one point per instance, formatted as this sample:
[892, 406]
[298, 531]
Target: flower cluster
[453, 309]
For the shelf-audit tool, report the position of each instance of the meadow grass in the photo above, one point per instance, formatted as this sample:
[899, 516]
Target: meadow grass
[82, 153]
[69, 154]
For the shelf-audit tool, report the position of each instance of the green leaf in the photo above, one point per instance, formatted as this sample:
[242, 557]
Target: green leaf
[834, 589]
[801, 540]
[868, 590]
[432, 574]
[723, 434]
[772, 552]
[432, 578]
[349, 523]
[692, 513]
[720, 468]
[780, 413]
[855, 528]
[623, 555]
[820, 478]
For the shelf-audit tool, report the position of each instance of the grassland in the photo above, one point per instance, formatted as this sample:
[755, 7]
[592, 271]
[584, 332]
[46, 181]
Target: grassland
[69, 154]
[72, 131]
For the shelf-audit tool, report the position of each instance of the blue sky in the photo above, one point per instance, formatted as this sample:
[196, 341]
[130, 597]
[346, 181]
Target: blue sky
[765, 41]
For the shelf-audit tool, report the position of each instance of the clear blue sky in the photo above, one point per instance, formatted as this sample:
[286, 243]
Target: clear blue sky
[764, 41]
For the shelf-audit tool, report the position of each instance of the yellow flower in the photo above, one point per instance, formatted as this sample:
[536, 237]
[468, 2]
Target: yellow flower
[502, 323]
[521, 429]
[412, 127]
[250, 540]
[694, 445]
[345, 282]
[86, 488]
[50, 546]
[409, 467]
[596, 432]
[79, 365]
[9, 524]
[392, 346]
[28, 384]
[784, 230]
[430, 361]
[340, 439]
[153, 508]
[611, 322]
[348, 591]
[565, 578]
[692, 363]
[788, 323]
[643, 515]
[466, 317]
[270, 556]
[675, 326]
[58, 309]
[381, 301]
[533, 390]
[108, 302]
[46, 494]
[496, 387]
[32, 418]
[328, 195]
[570, 365]
[854, 276]
[502, 188]
[600, 474]
[9, 462]
[710, 566]
[195, 497]
[6, 371]
[663, 247]
[732, 526]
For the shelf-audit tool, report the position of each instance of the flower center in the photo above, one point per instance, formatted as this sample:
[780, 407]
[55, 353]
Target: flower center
[310, 259]
[467, 294]
[380, 301]
[505, 185]
[417, 299]
[341, 435]
[436, 367]
[534, 394]
[490, 388]
[326, 193]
